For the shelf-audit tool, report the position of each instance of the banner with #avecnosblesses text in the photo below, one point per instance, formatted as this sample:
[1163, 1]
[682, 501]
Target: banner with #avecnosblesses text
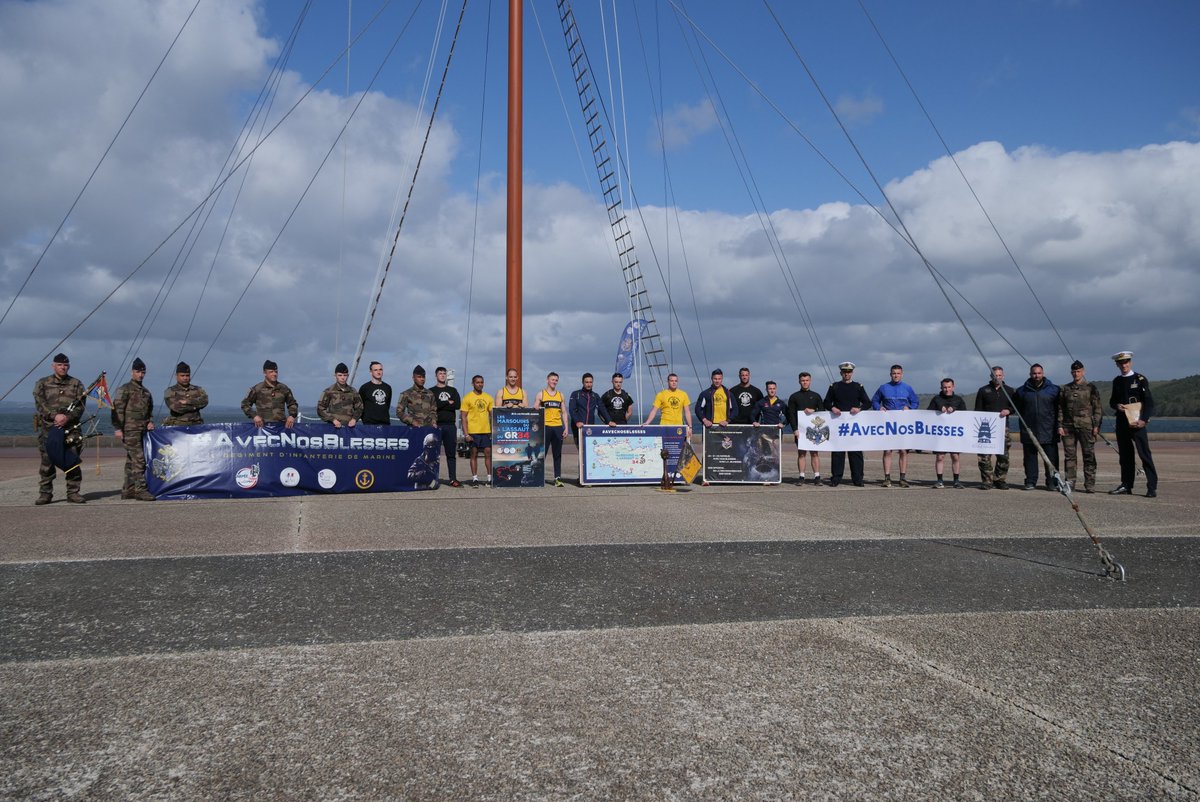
[239, 460]
[925, 430]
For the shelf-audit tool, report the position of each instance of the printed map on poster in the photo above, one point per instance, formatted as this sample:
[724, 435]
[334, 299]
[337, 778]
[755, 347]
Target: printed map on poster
[622, 458]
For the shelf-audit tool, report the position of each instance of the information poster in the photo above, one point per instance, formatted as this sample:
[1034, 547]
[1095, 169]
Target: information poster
[743, 454]
[518, 447]
[628, 455]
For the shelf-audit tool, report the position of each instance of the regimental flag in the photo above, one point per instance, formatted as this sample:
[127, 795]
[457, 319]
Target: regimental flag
[627, 349]
[689, 463]
[99, 392]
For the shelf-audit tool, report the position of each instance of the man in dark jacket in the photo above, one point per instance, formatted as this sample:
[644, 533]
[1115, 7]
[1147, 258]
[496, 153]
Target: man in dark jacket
[1037, 401]
[845, 396]
[584, 407]
[996, 396]
[1128, 389]
[714, 407]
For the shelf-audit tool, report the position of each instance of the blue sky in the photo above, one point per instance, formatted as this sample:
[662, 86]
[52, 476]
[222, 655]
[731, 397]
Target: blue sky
[1076, 121]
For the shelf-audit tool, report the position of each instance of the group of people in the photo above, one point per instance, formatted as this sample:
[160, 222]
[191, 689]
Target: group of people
[1049, 414]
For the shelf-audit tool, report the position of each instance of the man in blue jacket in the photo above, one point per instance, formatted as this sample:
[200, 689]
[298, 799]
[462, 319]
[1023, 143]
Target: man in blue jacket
[584, 407]
[1037, 402]
[715, 405]
[896, 394]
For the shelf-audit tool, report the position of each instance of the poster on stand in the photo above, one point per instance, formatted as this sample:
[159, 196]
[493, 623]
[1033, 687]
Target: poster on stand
[628, 455]
[518, 447]
[743, 454]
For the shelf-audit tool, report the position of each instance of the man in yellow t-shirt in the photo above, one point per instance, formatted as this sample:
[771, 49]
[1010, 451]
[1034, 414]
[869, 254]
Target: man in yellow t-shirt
[511, 395]
[674, 404]
[551, 400]
[477, 426]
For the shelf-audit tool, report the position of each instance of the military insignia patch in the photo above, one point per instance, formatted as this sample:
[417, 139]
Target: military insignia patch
[167, 464]
[818, 432]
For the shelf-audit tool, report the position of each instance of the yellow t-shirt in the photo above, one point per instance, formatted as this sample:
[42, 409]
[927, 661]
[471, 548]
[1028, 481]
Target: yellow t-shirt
[672, 402]
[720, 406]
[479, 412]
[553, 404]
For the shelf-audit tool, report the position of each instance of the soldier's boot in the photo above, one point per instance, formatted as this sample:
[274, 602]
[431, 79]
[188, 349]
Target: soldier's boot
[76, 498]
[143, 494]
[43, 499]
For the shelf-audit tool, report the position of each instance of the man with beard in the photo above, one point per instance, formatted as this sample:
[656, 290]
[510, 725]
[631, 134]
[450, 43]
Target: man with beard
[996, 396]
[745, 395]
[271, 401]
[416, 405]
[1079, 414]
[1037, 401]
[184, 400]
[617, 403]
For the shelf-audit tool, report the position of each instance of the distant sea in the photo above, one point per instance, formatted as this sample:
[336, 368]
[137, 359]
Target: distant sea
[21, 423]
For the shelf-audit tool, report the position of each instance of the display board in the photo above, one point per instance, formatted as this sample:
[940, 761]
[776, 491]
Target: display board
[743, 454]
[627, 455]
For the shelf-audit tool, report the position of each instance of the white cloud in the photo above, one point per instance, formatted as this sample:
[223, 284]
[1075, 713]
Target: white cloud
[1107, 239]
[858, 110]
[684, 122]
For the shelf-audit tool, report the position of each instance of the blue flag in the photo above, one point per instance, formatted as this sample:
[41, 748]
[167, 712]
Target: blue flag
[627, 350]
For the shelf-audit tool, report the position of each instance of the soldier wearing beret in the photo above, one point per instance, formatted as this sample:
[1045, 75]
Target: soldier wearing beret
[270, 401]
[416, 405]
[59, 399]
[184, 400]
[132, 413]
[340, 404]
[1079, 415]
[1131, 399]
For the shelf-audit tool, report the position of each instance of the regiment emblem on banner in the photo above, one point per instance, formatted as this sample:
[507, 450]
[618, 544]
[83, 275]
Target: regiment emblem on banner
[818, 432]
[166, 465]
[983, 432]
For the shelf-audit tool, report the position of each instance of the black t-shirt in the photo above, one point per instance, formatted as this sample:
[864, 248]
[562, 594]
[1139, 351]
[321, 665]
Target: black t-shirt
[448, 403]
[377, 403]
[744, 399]
[618, 405]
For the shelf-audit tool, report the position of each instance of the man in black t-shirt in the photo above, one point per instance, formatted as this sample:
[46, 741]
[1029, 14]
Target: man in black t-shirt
[808, 401]
[377, 398]
[448, 404]
[745, 395]
[617, 402]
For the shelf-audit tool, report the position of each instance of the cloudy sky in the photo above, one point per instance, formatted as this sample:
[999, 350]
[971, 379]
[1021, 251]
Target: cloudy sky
[1076, 124]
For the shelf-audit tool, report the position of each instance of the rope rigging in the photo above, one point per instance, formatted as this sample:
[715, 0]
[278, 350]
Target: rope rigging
[1112, 568]
[96, 169]
[416, 171]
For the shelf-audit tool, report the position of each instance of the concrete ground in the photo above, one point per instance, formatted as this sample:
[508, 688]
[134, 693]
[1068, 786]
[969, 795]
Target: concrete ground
[615, 643]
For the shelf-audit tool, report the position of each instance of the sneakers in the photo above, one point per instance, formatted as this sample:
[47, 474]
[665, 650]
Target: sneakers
[886, 483]
[903, 482]
[42, 500]
[816, 480]
[1029, 486]
[938, 485]
[475, 483]
[558, 482]
[958, 485]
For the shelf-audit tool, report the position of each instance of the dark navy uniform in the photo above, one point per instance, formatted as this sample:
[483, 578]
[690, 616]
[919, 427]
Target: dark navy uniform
[1134, 388]
[846, 396]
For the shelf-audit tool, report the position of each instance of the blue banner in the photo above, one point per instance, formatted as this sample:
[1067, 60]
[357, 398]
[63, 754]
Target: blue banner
[239, 460]
[518, 447]
[628, 455]
[627, 349]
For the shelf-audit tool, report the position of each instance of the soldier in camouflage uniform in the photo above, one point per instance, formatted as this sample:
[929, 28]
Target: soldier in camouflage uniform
[60, 402]
[270, 401]
[132, 414]
[417, 406]
[1079, 414]
[340, 403]
[184, 400]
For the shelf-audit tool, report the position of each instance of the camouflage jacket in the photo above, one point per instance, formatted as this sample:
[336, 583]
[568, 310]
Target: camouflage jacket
[184, 405]
[340, 402]
[133, 406]
[1079, 406]
[53, 395]
[417, 407]
[272, 402]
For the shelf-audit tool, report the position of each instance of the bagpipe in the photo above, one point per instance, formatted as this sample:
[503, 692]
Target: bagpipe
[64, 443]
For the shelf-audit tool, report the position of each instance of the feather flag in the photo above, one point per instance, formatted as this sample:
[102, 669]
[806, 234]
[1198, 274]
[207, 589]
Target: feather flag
[99, 392]
[627, 349]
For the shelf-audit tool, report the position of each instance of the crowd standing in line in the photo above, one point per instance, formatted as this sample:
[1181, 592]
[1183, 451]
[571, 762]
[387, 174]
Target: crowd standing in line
[1049, 413]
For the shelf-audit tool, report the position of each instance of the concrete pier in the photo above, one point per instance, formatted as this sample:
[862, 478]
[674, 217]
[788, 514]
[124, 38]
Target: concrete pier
[602, 643]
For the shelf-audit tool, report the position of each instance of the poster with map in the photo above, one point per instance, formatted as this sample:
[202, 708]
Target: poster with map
[627, 455]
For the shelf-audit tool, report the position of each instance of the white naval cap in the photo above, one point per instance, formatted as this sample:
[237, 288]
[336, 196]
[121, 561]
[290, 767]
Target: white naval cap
[1121, 356]
[846, 366]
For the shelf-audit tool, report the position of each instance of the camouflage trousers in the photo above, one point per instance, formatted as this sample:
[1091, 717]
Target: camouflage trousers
[1000, 474]
[1087, 444]
[135, 460]
[47, 472]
